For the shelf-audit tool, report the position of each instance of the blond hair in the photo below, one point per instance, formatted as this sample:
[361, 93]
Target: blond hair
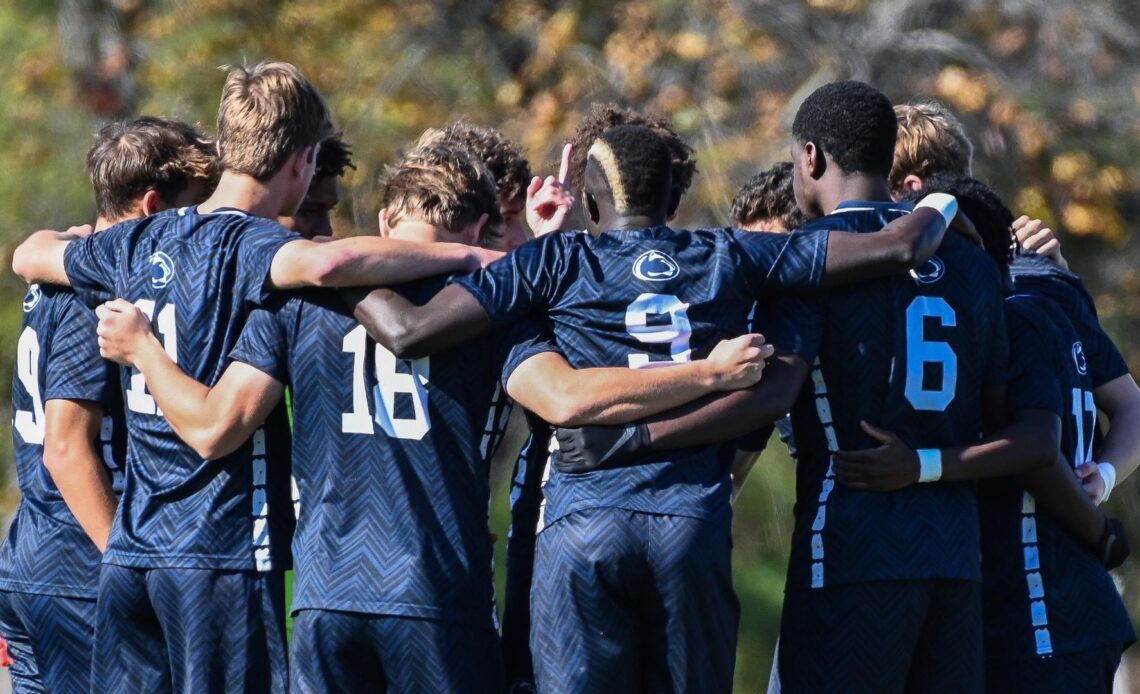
[443, 185]
[931, 140]
[266, 115]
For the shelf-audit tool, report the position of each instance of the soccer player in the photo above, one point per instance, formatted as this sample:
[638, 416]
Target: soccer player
[68, 430]
[421, 619]
[628, 556]
[314, 217]
[767, 202]
[191, 595]
[1054, 620]
[932, 141]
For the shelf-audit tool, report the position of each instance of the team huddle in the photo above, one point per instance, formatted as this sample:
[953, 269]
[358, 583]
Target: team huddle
[211, 391]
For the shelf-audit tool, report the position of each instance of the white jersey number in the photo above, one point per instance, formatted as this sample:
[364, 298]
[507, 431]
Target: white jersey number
[390, 384]
[1083, 404]
[138, 398]
[29, 423]
[640, 324]
[920, 352]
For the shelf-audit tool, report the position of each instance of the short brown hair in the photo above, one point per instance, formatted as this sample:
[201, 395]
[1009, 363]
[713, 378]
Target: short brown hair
[334, 157]
[148, 153]
[768, 195]
[266, 115]
[444, 185]
[931, 140]
[503, 158]
[602, 117]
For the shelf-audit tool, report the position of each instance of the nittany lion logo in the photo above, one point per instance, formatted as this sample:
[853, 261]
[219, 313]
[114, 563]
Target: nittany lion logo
[930, 272]
[32, 297]
[1079, 358]
[161, 270]
[655, 266]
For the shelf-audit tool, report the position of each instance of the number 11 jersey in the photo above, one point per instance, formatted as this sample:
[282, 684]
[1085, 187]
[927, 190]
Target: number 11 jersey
[911, 354]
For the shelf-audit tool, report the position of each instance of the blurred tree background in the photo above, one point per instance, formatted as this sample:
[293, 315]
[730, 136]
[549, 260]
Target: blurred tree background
[1050, 92]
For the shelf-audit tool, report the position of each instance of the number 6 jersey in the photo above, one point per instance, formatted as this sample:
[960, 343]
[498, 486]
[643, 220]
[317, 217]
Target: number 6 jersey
[911, 354]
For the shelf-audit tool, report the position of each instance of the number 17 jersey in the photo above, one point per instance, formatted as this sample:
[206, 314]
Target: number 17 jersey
[911, 354]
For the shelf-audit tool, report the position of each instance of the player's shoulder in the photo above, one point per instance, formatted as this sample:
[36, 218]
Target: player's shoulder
[48, 301]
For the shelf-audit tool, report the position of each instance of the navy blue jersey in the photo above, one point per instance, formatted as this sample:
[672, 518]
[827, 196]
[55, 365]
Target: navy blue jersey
[391, 461]
[911, 354]
[1044, 592]
[1036, 274]
[57, 357]
[197, 277]
[638, 299]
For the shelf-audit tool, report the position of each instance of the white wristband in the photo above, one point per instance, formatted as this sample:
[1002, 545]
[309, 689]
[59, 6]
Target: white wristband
[943, 203]
[1108, 474]
[929, 464]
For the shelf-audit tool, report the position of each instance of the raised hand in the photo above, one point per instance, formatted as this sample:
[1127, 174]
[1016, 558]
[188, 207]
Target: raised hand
[122, 330]
[549, 202]
[887, 468]
[739, 362]
[1033, 235]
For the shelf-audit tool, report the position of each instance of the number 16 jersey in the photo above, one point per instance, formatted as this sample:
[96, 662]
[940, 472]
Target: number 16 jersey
[911, 354]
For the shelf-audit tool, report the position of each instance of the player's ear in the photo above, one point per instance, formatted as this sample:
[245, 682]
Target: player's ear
[382, 218]
[815, 164]
[150, 203]
[474, 232]
[913, 184]
[302, 159]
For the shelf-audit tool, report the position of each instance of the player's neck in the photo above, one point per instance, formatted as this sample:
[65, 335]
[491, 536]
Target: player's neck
[854, 187]
[246, 193]
[631, 222]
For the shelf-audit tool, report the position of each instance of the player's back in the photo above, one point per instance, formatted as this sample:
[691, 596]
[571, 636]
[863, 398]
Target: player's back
[391, 460]
[197, 277]
[911, 354]
[641, 298]
[57, 357]
[1044, 592]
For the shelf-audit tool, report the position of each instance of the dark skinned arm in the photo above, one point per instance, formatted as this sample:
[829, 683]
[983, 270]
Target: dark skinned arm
[452, 317]
[905, 243]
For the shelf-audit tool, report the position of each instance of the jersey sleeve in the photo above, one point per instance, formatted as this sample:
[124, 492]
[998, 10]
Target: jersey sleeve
[1034, 383]
[773, 262]
[257, 247]
[90, 264]
[522, 282]
[74, 368]
[1105, 361]
[523, 342]
[791, 323]
[264, 341]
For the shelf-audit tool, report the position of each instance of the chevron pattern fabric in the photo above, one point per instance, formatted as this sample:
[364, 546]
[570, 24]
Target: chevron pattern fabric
[911, 354]
[1088, 671]
[626, 602]
[881, 637]
[46, 551]
[167, 630]
[1045, 593]
[389, 462]
[350, 653]
[50, 640]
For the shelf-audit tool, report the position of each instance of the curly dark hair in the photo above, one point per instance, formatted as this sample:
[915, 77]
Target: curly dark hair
[636, 163]
[990, 216]
[853, 122]
[504, 158]
[602, 117]
[334, 157]
[148, 153]
[768, 195]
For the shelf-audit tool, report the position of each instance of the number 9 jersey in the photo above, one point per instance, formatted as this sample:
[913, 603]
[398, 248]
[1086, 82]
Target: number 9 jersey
[911, 354]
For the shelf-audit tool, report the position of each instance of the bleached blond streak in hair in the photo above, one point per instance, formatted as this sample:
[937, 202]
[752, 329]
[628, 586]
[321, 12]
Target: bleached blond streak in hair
[601, 153]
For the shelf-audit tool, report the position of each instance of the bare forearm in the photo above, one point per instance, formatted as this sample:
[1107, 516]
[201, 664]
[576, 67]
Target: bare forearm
[1058, 492]
[722, 417]
[1121, 445]
[40, 258]
[85, 486]
[1029, 443]
[362, 261]
[452, 317]
[184, 401]
[903, 244]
